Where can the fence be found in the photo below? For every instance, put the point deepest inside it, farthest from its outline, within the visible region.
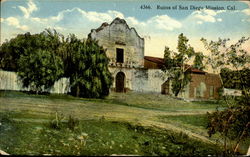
(9, 81)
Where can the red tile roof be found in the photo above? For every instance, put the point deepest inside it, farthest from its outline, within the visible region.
(155, 59)
(194, 70)
(160, 61)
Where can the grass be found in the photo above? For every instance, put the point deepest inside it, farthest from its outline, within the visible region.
(30, 115)
(194, 120)
(158, 101)
(133, 99)
(198, 124)
(96, 137)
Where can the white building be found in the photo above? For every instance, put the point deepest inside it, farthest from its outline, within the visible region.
(125, 49)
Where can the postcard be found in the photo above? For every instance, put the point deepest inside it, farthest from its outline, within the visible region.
(130, 78)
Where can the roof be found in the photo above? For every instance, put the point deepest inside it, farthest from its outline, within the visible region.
(194, 70)
(160, 62)
(155, 59)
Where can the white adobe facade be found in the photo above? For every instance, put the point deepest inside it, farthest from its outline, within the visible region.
(125, 49)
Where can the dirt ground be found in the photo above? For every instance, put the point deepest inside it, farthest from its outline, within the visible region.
(143, 109)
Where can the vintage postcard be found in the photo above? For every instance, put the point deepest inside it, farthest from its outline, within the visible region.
(125, 78)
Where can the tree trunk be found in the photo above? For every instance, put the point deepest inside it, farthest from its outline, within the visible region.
(77, 90)
(241, 137)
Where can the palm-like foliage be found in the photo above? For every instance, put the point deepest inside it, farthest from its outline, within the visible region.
(90, 76)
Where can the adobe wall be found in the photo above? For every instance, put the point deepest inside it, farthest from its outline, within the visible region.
(9, 81)
(140, 80)
(119, 35)
(207, 84)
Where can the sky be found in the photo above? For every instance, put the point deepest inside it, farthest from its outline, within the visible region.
(159, 27)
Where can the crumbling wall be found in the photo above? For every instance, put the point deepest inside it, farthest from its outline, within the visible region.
(140, 80)
(9, 81)
(128, 76)
(149, 80)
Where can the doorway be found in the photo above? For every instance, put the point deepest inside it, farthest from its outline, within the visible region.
(165, 88)
(120, 82)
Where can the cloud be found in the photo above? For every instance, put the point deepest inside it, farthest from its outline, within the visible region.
(28, 11)
(82, 17)
(205, 18)
(246, 11)
(164, 22)
(247, 2)
(1, 19)
(199, 22)
(91, 16)
(206, 15)
(59, 28)
(219, 19)
(12, 21)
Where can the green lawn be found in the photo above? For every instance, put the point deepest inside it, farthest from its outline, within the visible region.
(194, 120)
(131, 123)
(95, 137)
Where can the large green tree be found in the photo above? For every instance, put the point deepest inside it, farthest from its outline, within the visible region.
(22, 44)
(233, 123)
(84, 62)
(39, 69)
(87, 67)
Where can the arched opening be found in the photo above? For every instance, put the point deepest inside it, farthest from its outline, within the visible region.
(120, 82)
(165, 88)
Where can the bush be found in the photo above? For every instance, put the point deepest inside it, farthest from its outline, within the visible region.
(72, 123)
(57, 122)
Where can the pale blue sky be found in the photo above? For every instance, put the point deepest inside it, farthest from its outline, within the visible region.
(158, 27)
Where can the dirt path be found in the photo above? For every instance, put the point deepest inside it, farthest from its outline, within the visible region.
(95, 110)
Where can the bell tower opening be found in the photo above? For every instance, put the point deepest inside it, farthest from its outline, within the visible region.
(119, 55)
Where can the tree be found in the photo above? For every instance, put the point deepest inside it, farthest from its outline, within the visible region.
(89, 76)
(198, 61)
(11, 51)
(83, 61)
(177, 64)
(231, 78)
(168, 61)
(39, 69)
(234, 121)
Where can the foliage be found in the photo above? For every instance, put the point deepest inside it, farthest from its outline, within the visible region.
(59, 122)
(179, 80)
(234, 121)
(90, 75)
(98, 138)
(39, 60)
(39, 69)
(34, 58)
(168, 61)
(198, 61)
(222, 56)
(56, 123)
(72, 122)
(12, 50)
(176, 64)
(235, 79)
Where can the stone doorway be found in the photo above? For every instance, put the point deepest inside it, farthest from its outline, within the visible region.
(120, 82)
(165, 88)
